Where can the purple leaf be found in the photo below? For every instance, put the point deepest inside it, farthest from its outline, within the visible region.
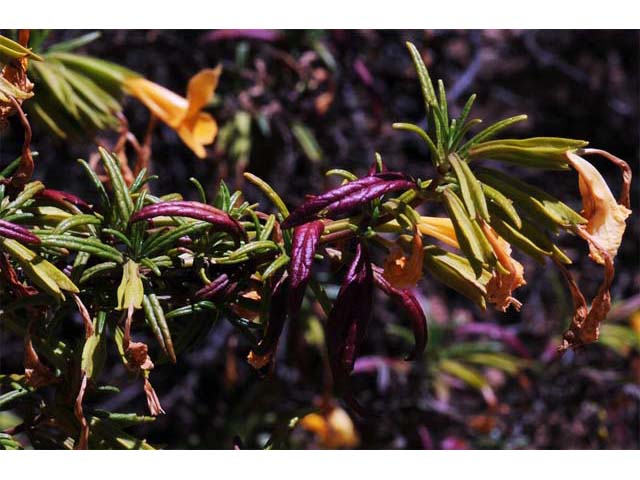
(363, 72)
(277, 317)
(406, 300)
(348, 197)
(17, 232)
(348, 320)
(496, 332)
(60, 197)
(306, 239)
(218, 289)
(238, 34)
(196, 210)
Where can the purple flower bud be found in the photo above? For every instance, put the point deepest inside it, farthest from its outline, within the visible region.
(17, 232)
(306, 239)
(196, 210)
(406, 300)
(348, 197)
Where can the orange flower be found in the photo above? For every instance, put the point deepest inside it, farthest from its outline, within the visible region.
(502, 284)
(334, 429)
(402, 271)
(184, 115)
(606, 218)
(440, 228)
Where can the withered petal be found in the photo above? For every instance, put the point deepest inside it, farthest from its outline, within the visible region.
(606, 218)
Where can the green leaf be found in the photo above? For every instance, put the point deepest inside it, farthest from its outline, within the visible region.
(426, 85)
(492, 131)
(124, 203)
(537, 203)
(13, 49)
(457, 273)
(94, 352)
(539, 152)
(307, 141)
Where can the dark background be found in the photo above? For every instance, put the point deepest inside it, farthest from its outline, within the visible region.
(579, 84)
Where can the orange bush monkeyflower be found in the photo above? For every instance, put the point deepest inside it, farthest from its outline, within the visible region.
(333, 429)
(502, 284)
(606, 217)
(440, 228)
(402, 271)
(184, 115)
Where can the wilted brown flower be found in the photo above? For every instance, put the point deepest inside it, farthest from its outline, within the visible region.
(502, 284)
(606, 217)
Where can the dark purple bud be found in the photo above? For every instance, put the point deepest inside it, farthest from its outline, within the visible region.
(218, 289)
(196, 210)
(306, 239)
(57, 196)
(348, 197)
(17, 232)
(275, 323)
(403, 298)
(348, 320)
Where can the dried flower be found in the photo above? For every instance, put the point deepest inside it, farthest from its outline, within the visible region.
(606, 218)
(502, 284)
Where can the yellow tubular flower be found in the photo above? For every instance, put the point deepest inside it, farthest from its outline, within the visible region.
(502, 284)
(184, 115)
(606, 218)
(440, 228)
(402, 271)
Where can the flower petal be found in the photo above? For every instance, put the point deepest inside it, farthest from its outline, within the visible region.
(402, 271)
(198, 131)
(169, 107)
(200, 90)
(502, 285)
(606, 218)
(440, 228)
